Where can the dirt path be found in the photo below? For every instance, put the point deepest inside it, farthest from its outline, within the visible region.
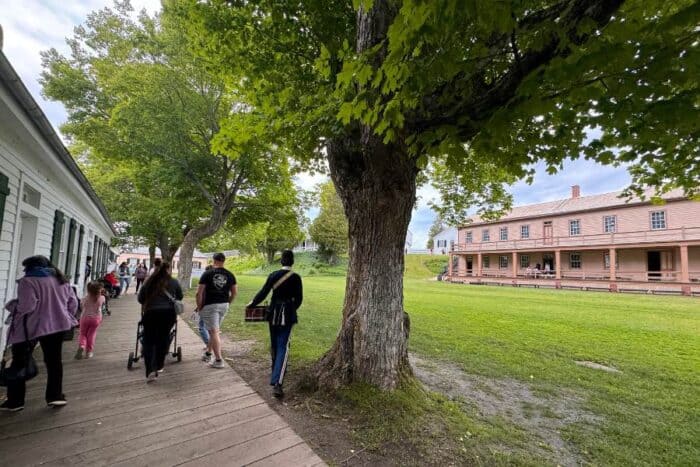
(330, 434)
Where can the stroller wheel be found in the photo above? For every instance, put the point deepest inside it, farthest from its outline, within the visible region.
(178, 354)
(131, 360)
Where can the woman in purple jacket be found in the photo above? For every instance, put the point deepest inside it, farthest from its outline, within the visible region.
(47, 304)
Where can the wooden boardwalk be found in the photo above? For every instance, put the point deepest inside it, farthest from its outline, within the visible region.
(192, 415)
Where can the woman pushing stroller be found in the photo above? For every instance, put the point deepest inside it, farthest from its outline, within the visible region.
(157, 296)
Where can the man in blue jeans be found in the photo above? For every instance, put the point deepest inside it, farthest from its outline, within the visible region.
(287, 296)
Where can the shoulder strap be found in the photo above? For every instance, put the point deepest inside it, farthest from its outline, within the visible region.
(170, 297)
(282, 279)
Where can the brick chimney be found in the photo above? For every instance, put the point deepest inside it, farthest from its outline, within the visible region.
(575, 191)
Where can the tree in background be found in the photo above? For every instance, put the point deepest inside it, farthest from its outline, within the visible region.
(330, 228)
(267, 224)
(137, 96)
(437, 227)
(382, 89)
(140, 200)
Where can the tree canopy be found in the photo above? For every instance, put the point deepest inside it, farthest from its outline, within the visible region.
(138, 97)
(478, 90)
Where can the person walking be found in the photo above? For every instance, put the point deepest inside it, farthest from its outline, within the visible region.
(90, 319)
(216, 290)
(124, 277)
(287, 295)
(157, 297)
(44, 309)
(140, 274)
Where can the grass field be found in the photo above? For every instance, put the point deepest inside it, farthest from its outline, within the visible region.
(649, 413)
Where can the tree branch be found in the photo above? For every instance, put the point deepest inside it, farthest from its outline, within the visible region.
(486, 98)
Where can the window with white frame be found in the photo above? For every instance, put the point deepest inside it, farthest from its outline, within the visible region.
(575, 227)
(609, 224)
(658, 220)
(504, 233)
(575, 260)
(524, 261)
(524, 231)
(485, 235)
(469, 237)
(503, 262)
(486, 262)
(606, 260)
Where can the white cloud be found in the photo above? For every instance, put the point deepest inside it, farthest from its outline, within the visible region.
(32, 26)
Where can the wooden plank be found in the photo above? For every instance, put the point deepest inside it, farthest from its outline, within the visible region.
(299, 455)
(83, 438)
(169, 447)
(251, 450)
(191, 413)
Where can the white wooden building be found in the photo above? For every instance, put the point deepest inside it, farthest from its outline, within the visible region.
(47, 206)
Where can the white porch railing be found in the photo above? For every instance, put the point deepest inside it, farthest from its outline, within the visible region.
(580, 241)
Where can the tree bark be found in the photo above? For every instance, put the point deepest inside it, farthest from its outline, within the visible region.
(167, 249)
(196, 235)
(151, 254)
(270, 255)
(377, 184)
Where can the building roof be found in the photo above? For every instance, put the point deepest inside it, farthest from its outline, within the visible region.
(578, 204)
(11, 80)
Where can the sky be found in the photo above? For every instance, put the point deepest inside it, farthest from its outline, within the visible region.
(31, 26)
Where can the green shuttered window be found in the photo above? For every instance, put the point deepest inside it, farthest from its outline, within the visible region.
(59, 220)
(4, 191)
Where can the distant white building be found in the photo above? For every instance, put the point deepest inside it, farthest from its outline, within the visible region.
(445, 241)
(47, 206)
(306, 245)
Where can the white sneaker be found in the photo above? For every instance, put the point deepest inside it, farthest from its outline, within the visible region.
(217, 364)
(207, 357)
(151, 377)
(89, 355)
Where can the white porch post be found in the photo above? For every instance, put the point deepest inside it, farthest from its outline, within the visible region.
(557, 264)
(478, 265)
(449, 265)
(515, 265)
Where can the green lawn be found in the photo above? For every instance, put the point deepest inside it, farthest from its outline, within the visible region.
(650, 413)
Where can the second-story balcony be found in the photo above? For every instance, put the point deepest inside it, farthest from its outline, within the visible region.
(650, 237)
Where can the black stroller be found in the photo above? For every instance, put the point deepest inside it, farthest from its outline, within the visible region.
(136, 355)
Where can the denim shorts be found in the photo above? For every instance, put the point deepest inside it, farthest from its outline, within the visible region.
(213, 314)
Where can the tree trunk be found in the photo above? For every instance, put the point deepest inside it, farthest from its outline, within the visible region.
(151, 254)
(167, 249)
(196, 235)
(270, 255)
(377, 184)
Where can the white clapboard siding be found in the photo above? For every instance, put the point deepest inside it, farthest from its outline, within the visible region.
(27, 158)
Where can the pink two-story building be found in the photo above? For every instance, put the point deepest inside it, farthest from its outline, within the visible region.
(588, 242)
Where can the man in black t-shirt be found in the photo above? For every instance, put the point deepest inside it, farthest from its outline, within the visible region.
(217, 289)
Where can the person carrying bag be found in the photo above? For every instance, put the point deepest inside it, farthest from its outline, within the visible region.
(286, 299)
(46, 306)
(22, 367)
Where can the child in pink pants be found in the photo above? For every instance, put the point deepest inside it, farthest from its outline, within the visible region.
(90, 319)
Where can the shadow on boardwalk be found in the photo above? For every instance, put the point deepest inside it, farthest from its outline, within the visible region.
(191, 415)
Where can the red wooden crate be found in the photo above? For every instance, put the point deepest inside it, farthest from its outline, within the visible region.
(256, 314)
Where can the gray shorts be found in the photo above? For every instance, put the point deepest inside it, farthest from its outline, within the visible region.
(213, 314)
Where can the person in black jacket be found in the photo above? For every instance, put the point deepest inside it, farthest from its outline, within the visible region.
(158, 317)
(281, 315)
